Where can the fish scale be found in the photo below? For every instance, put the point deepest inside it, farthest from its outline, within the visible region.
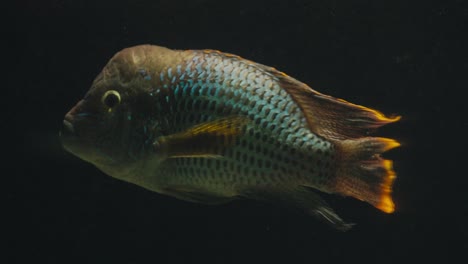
(239, 96)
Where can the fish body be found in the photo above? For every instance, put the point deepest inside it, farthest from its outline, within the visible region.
(211, 127)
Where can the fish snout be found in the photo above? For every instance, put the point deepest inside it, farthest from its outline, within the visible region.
(74, 111)
(68, 129)
(67, 124)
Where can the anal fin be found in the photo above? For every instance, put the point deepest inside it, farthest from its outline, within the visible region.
(301, 198)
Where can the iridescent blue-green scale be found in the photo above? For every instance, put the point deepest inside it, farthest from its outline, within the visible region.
(277, 147)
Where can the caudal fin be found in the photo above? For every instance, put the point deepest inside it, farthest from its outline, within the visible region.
(364, 174)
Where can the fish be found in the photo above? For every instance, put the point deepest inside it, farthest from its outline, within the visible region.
(211, 127)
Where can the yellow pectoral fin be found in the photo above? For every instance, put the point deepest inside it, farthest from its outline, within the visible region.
(231, 125)
(208, 139)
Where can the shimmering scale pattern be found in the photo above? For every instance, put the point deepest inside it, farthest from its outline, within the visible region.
(277, 147)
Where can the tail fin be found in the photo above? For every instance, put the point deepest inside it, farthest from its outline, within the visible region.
(363, 174)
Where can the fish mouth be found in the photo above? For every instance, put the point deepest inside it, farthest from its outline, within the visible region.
(67, 134)
(67, 128)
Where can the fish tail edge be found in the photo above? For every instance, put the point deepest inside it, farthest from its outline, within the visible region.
(364, 174)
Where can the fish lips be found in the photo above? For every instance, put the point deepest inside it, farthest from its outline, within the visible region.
(68, 129)
(73, 142)
(68, 135)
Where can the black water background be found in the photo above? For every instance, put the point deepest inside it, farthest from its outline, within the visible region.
(402, 57)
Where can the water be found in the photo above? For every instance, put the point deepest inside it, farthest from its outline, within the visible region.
(398, 57)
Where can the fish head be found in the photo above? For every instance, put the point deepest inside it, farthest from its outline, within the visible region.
(113, 126)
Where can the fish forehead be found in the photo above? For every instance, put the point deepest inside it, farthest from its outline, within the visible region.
(131, 61)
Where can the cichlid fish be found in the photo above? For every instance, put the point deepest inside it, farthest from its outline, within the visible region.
(210, 127)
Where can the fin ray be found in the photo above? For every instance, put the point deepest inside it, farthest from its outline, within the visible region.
(363, 174)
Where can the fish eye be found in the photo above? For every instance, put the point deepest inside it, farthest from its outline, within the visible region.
(111, 98)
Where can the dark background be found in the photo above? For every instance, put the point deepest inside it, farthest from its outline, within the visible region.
(401, 57)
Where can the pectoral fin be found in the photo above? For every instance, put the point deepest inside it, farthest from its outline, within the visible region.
(204, 140)
(304, 199)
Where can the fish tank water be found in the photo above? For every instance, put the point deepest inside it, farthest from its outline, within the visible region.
(402, 58)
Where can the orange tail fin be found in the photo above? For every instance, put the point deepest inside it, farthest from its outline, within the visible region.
(363, 174)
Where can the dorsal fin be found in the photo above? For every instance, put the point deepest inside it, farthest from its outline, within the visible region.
(332, 118)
